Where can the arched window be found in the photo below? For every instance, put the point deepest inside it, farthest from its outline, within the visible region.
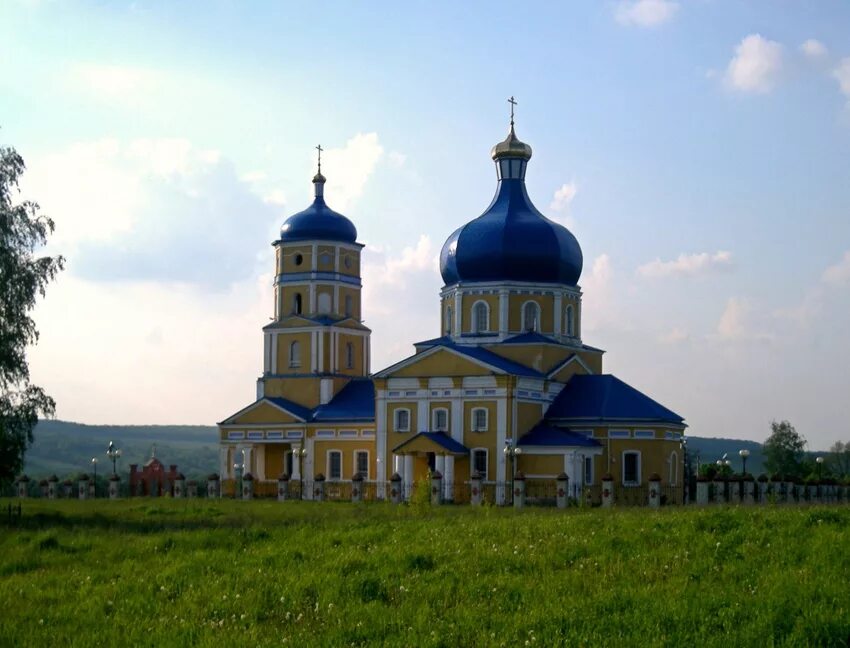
(480, 317)
(349, 305)
(402, 420)
(295, 354)
(324, 303)
(569, 324)
(448, 320)
(440, 420)
(296, 304)
(531, 316)
(349, 355)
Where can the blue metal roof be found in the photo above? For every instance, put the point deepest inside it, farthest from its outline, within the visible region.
(546, 435)
(299, 410)
(483, 355)
(511, 240)
(606, 397)
(355, 401)
(530, 338)
(318, 221)
(441, 439)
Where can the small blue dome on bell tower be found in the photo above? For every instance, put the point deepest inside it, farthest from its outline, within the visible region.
(511, 240)
(318, 221)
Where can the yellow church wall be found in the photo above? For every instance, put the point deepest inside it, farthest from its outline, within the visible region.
(485, 439)
(289, 253)
(568, 371)
(357, 344)
(402, 436)
(541, 464)
(264, 413)
(653, 458)
(442, 363)
(355, 301)
(304, 391)
(347, 448)
(541, 357)
(274, 456)
(515, 304)
(353, 269)
(284, 340)
(288, 302)
(468, 301)
(592, 359)
(528, 415)
(328, 251)
(328, 291)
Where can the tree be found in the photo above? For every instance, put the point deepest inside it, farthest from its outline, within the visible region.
(23, 277)
(839, 459)
(783, 450)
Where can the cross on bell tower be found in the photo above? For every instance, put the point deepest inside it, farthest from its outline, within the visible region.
(513, 103)
(320, 149)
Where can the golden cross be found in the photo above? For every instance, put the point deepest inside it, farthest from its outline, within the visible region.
(513, 103)
(320, 149)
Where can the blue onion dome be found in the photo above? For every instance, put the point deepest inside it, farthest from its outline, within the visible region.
(318, 221)
(511, 240)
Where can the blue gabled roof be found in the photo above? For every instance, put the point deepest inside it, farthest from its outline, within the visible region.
(354, 402)
(299, 410)
(434, 341)
(483, 355)
(441, 439)
(546, 435)
(530, 337)
(607, 397)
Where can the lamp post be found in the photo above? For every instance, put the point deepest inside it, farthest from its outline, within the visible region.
(744, 454)
(511, 453)
(113, 453)
(819, 462)
(301, 452)
(94, 467)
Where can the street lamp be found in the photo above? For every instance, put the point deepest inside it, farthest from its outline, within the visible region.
(113, 453)
(819, 462)
(512, 452)
(744, 454)
(94, 467)
(301, 453)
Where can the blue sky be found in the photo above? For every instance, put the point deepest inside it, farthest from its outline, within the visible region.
(698, 150)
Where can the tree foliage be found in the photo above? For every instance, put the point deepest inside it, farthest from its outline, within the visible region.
(838, 460)
(783, 450)
(23, 277)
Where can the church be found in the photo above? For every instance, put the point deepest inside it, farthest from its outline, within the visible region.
(507, 385)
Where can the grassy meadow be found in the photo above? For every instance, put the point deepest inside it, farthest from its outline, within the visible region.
(263, 573)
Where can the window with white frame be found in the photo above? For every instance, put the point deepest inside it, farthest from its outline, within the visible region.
(295, 354)
(569, 322)
(402, 420)
(479, 462)
(479, 419)
(674, 468)
(349, 355)
(631, 468)
(448, 320)
(324, 303)
(440, 420)
(531, 316)
(334, 465)
(361, 463)
(349, 306)
(588, 470)
(480, 317)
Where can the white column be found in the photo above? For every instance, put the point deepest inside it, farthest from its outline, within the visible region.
(296, 468)
(458, 320)
(503, 312)
(336, 307)
(333, 350)
(398, 464)
(278, 313)
(223, 467)
(267, 353)
(440, 464)
(312, 298)
(449, 477)
(408, 474)
(501, 429)
(336, 258)
(274, 352)
(248, 459)
(457, 420)
(381, 443)
(314, 351)
(422, 416)
(321, 352)
(559, 311)
(314, 265)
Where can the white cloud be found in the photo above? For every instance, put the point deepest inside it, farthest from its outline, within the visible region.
(838, 273)
(645, 13)
(813, 49)
(756, 65)
(675, 335)
(564, 196)
(275, 197)
(732, 322)
(115, 82)
(842, 74)
(686, 265)
(598, 307)
(348, 169)
(397, 159)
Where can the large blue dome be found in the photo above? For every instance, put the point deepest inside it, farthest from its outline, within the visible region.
(318, 221)
(511, 240)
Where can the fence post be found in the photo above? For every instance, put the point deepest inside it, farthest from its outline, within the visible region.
(719, 490)
(436, 488)
(562, 484)
(52, 487)
(319, 488)
(475, 489)
(654, 490)
(83, 487)
(213, 486)
(282, 487)
(247, 486)
(357, 488)
(67, 488)
(702, 490)
(519, 490)
(191, 489)
(607, 490)
(114, 484)
(395, 488)
(23, 484)
(42, 488)
(761, 493)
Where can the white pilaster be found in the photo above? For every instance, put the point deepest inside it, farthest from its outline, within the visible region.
(559, 311)
(457, 420)
(422, 416)
(312, 298)
(223, 464)
(336, 306)
(314, 351)
(501, 430)
(267, 352)
(440, 464)
(503, 312)
(249, 457)
(458, 319)
(296, 468)
(274, 339)
(321, 352)
(336, 259)
(408, 475)
(278, 311)
(449, 477)
(314, 266)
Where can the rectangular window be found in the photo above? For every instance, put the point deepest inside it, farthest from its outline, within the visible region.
(631, 469)
(479, 420)
(588, 470)
(479, 462)
(334, 465)
(402, 420)
(361, 462)
(441, 420)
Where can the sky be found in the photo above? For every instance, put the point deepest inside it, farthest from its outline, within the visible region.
(698, 150)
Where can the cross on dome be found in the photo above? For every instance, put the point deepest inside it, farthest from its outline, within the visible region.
(513, 103)
(320, 149)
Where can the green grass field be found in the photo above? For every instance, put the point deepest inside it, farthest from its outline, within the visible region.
(264, 573)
